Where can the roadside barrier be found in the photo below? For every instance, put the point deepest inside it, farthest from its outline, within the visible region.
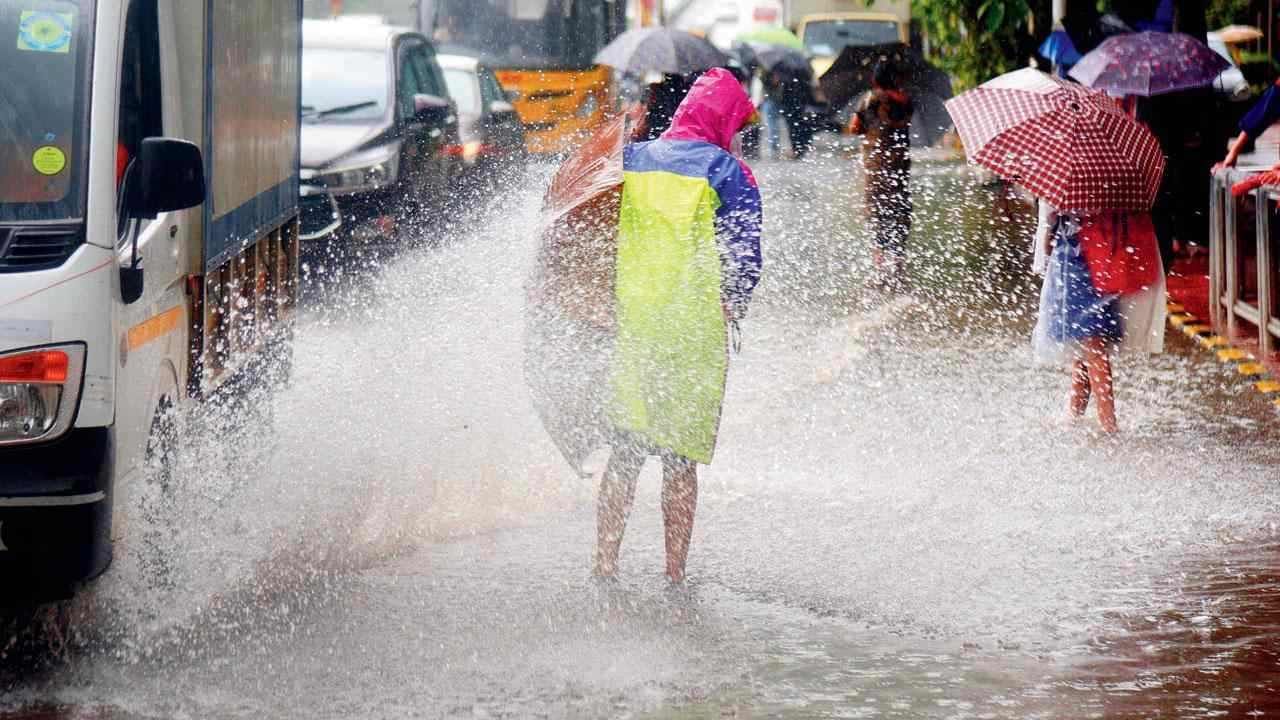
(1243, 266)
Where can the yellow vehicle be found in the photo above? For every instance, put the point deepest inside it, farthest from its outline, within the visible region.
(825, 35)
(542, 52)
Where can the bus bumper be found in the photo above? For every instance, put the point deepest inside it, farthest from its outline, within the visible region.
(55, 515)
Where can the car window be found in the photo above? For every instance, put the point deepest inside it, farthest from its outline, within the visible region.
(408, 80)
(429, 74)
(464, 89)
(339, 79)
(490, 90)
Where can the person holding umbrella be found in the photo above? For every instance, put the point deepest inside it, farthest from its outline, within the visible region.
(788, 87)
(1169, 76)
(1098, 171)
(884, 117)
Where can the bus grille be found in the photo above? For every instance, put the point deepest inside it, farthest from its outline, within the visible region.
(37, 248)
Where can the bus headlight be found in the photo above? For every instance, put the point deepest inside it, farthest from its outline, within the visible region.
(39, 389)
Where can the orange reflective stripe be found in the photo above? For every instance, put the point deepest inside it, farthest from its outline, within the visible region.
(155, 327)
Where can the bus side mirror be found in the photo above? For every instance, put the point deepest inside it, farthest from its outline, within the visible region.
(170, 177)
(132, 283)
(167, 175)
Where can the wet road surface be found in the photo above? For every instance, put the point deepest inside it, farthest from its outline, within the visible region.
(899, 522)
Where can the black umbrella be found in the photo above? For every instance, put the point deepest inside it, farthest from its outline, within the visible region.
(929, 87)
(1087, 28)
(744, 54)
(786, 60)
(660, 50)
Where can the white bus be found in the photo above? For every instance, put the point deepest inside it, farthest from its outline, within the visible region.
(148, 238)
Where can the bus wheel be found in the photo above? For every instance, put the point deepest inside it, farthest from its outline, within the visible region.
(158, 495)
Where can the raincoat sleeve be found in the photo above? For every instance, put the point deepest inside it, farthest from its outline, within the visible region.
(738, 223)
(1263, 114)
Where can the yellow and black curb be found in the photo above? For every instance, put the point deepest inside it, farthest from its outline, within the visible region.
(1244, 362)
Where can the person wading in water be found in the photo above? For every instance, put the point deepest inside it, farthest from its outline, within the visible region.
(688, 260)
(884, 117)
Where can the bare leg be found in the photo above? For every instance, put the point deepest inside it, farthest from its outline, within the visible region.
(617, 492)
(1080, 389)
(1099, 365)
(679, 502)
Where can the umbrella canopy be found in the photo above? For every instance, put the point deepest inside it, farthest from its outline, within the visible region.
(1149, 63)
(775, 36)
(1233, 34)
(929, 87)
(785, 60)
(1072, 146)
(660, 50)
(1059, 49)
(569, 326)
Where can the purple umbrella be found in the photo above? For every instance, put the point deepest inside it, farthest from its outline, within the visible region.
(1149, 63)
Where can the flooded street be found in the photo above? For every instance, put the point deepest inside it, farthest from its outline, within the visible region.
(900, 521)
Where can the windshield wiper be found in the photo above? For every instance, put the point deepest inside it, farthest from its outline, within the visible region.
(309, 111)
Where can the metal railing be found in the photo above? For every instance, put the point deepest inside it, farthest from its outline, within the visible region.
(1235, 293)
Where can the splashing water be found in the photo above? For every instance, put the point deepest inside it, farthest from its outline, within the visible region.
(897, 523)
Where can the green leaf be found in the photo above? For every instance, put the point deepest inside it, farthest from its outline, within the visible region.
(995, 16)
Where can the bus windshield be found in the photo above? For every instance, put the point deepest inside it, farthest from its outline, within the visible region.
(44, 50)
(537, 34)
(828, 37)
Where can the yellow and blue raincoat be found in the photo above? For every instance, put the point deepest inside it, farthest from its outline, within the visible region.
(688, 260)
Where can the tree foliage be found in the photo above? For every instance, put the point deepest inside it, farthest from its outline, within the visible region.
(1221, 13)
(976, 40)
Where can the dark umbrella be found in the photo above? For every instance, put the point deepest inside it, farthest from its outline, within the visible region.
(660, 50)
(929, 87)
(1087, 29)
(786, 60)
(1149, 63)
(744, 55)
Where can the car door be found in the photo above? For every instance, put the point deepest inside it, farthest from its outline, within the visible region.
(414, 157)
(426, 141)
(432, 77)
(502, 124)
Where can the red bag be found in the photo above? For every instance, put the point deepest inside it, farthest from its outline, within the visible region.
(1121, 251)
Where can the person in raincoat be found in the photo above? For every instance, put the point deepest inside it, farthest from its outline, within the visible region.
(688, 259)
(884, 116)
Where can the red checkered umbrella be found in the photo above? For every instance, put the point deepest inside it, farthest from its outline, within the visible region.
(1072, 146)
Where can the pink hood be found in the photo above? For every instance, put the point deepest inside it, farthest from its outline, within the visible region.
(715, 109)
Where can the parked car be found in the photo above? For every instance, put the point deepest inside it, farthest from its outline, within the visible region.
(378, 126)
(492, 136)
